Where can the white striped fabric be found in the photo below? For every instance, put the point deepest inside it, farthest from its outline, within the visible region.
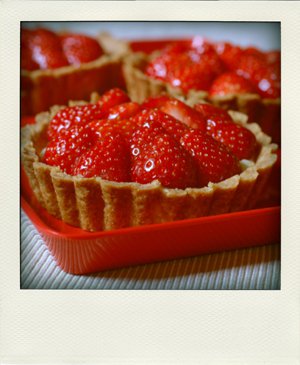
(253, 268)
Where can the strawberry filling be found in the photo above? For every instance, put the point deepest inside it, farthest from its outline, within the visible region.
(219, 68)
(162, 139)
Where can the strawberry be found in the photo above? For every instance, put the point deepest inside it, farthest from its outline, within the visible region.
(215, 162)
(162, 158)
(221, 127)
(80, 49)
(108, 158)
(172, 126)
(46, 50)
(185, 114)
(212, 112)
(112, 98)
(65, 147)
(266, 78)
(228, 54)
(156, 102)
(125, 127)
(186, 65)
(123, 111)
(27, 62)
(238, 139)
(230, 83)
(68, 117)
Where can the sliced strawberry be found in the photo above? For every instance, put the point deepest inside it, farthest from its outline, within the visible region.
(123, 111)
(125, 127)
(68, 117)
(221, 127)
(66, 147)
(266, 78)
(46, 50)
(163, 159)
(112, 98)
(171, 125)
(229, 54)
(215, 162)
(185, 114)
(155, 102)
(238, 139)
(230, 83)
(108, 158)
(212, 112)
(80, 49)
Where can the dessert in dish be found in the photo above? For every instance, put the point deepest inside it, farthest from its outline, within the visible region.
(114, 163)
(56, 68)
(226, 75)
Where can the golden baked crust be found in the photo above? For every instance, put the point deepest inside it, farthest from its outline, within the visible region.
(265, 112)
(40, 89)
(95, 204)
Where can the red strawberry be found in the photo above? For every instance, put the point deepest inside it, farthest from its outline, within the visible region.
(238, 139)
(65, 147)
(68, 117)
(185, 114)
(27, 62)
(80, 49)
(112, 98)
(211, 112)
(108, 158)
(155, 102)
(222, 128)
(228, 54)
(163, 159)
(123, 111)
(230, 83)
(266, 78)
(125, 127)
(46, 50)
(171, 125)
(215, 162)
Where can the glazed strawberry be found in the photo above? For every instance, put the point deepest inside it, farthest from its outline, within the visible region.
(237, 138)
(155, 102)
(65, 147)
(212, 112)
(188, 66)
(80, 49)
(123, 111)
(27, 62)
(46, 50)
(112, 98)
(108, 158)
(185, 114)
(266, 78)
(230, 83)
(125, 127)
(221, 127)
(215, 162)
(172, 126)
(229, 54)
(68, 117)
(163, 159)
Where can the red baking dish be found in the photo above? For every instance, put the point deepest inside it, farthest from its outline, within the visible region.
(80, 252)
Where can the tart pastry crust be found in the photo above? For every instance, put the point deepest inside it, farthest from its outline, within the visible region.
(95, 204)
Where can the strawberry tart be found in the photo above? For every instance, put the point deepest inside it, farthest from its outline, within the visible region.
(226, 75)
(114, 163)
(56, 68)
